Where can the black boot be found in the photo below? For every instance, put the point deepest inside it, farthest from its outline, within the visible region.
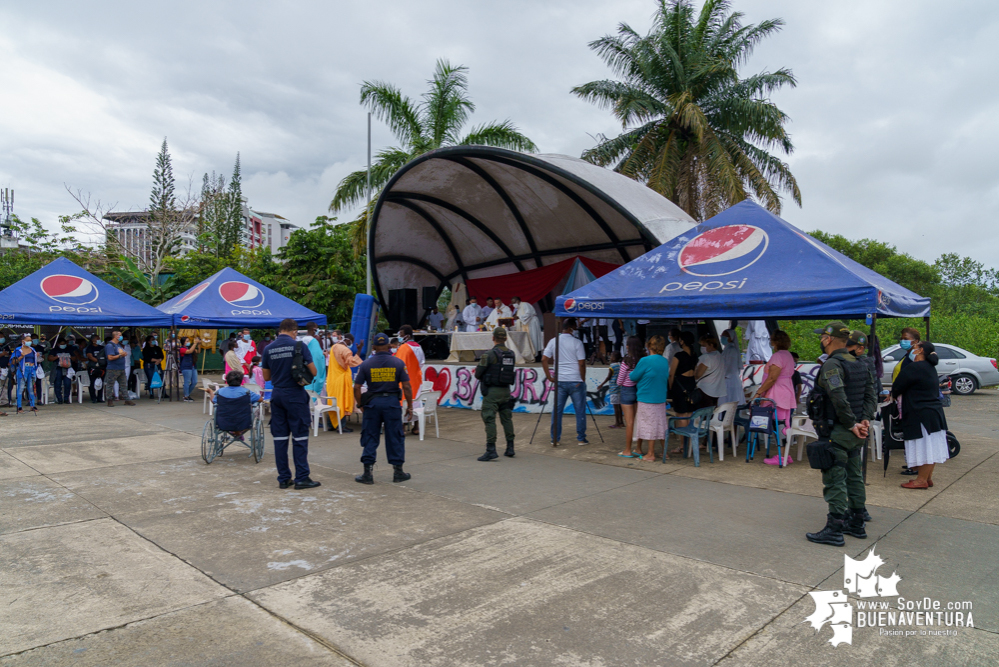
(400, 475)
(490, 453)
(365, 477)
(855, 524)
(867, 516)
(509, 450)
(832, 533)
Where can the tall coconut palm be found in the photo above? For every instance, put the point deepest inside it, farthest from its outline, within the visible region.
(694, 131)
(433, 122)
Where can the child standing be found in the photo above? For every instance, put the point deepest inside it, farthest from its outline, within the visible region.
(614, 392)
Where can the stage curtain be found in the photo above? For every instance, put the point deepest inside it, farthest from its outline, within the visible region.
(534, 284)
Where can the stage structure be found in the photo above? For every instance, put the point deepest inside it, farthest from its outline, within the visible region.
(467, 212)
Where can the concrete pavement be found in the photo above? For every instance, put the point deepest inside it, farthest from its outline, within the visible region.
(119, 545)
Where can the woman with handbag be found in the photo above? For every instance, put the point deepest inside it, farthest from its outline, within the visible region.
(682, 385)
(924, 426)
(24, 362)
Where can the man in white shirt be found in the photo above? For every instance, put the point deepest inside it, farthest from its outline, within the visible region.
(571, 366)
(673, 347)
(472, 315)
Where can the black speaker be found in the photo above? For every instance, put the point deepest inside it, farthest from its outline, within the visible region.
(402, 308)
(429, 297)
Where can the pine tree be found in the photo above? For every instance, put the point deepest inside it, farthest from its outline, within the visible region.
(162, 200)
(163, 235)
(234, 227)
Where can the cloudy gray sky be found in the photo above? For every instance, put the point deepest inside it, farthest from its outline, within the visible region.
(894, 118)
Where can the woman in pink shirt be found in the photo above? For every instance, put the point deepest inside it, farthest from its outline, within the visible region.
(778, 385)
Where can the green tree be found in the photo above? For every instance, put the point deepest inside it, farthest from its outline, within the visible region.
(230, 234)
(433, 122)
(138, 284)
(213, 215)
(694, 131)
(319, 269)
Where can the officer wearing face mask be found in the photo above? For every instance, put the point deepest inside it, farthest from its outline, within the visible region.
(848, 386)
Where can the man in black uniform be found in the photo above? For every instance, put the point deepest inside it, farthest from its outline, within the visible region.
(381, 404)
(848, 387)
(290, 414)
(495, 372)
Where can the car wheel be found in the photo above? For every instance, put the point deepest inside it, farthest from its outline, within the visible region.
(964, 385)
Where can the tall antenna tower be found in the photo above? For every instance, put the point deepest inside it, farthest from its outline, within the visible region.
(7, 237)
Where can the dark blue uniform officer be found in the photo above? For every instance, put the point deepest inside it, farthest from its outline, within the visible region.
(387, 382)
(290, 414)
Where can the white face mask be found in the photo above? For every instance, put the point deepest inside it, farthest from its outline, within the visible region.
(704, 350)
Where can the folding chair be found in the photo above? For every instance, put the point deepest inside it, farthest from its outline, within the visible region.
(763, 421)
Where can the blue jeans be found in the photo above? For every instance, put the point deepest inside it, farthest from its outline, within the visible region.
(576, 390)
(190, 380)
(63, 385)
(21, 382)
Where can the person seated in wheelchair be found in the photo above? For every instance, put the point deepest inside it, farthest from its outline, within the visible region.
(234, 405)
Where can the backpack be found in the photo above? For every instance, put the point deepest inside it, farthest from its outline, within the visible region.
(299, 371)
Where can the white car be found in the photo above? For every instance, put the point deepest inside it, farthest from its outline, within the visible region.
(968, 371)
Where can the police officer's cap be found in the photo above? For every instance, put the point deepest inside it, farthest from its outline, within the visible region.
(858, 338)
(499, 333)
(380, 339)
(835, 329)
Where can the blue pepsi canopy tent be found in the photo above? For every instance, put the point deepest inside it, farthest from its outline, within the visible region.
(744, 263)
(61, 293)
(230, 299)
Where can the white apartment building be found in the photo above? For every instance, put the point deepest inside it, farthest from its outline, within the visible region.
(259, 229)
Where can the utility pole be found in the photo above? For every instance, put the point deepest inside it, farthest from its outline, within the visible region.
(367, 212)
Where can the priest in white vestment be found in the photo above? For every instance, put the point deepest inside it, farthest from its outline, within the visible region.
(472, 315)
(500, 312)
(528, 317)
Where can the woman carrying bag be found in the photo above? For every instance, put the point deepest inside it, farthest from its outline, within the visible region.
(924, 426)
(24, 362)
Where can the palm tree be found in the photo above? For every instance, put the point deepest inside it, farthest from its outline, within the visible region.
(694, 131)
(435, 121)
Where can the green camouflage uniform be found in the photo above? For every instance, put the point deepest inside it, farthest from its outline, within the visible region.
(495, 399)
(844, 487)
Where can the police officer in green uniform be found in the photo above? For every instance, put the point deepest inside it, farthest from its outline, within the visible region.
(849, 386)
(495, 372)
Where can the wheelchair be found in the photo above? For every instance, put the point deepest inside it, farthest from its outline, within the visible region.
(233, 415)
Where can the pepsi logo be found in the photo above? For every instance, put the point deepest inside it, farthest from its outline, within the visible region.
(241, 295)
(185, 318)
(190, 296)
(70, 290)
(570, 305)
(723, 250)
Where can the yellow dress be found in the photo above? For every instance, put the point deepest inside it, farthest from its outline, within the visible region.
(340, 381)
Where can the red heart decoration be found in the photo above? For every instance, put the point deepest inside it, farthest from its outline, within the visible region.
(440, 379)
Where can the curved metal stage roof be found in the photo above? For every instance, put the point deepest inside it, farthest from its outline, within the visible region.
(476, 211)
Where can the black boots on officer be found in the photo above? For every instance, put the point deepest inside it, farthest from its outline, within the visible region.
(837, 525)
(491, 452)
(366, 477)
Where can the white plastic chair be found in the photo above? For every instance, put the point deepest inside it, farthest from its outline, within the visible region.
(43, 395)
(800, 426)
(723, 420)
(320, 407)
(82, 382)
(877, 433)
(206, 404)
(428, 409)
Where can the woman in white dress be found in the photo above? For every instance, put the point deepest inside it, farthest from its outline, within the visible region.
(924, 426)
